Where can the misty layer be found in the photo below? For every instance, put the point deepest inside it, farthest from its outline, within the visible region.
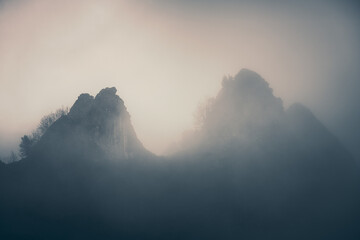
(252, 170)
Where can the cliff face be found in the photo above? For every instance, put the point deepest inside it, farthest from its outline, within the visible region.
(99, 125)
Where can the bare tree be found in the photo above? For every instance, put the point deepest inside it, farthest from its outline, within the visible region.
(26, 145)
(29, 141)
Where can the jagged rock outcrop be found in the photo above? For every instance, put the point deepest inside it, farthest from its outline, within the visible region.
(94, 126)
(244, 105)
(245, 116)
(81, 107)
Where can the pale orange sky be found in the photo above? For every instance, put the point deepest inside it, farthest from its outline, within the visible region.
(162, 60)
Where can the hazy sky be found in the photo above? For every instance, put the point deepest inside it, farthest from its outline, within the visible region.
(165, 57)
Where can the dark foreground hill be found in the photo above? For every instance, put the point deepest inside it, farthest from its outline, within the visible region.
(251, 171)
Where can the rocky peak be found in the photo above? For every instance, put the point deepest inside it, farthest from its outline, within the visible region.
(107, 101)
(81, 107)
(103, 122)
(249, 89)
(245, 102)
(246, 78)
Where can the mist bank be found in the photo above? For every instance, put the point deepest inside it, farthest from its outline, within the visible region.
(252, 169)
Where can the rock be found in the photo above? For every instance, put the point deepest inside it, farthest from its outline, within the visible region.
(95, 124)
(245, 104)
(81, 107)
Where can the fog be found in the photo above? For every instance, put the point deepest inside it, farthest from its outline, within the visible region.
(158, 119)
(165, 57)
(252, 169)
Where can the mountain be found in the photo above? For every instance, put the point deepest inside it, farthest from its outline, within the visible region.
(245, 113)
(97, 126)
(245, 119)
(252, 170)
(292, 170)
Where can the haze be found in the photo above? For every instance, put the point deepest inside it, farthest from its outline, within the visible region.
(165, 57)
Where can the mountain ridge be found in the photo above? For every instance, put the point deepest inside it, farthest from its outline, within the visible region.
(252, 171)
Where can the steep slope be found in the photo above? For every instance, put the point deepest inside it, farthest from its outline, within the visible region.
(94, 127)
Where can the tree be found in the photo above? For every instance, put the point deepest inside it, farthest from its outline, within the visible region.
(29, 141)
(49, 119)
(13, 157)
(26, 146)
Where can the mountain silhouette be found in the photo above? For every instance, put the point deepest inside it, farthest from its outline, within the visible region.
(246, 113)
(94, 127)
(252, 170)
